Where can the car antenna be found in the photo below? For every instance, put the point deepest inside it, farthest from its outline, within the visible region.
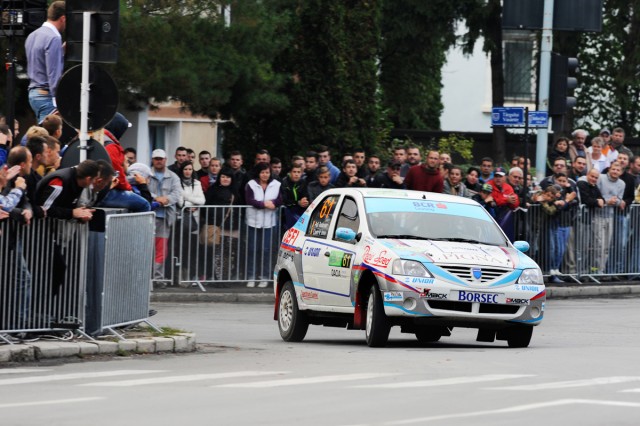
(424, 197)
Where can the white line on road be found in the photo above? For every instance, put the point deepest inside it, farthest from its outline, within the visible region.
(187, 378)
(74, 376)
(50, 402)
(306, 380)
(444, 382)
(571, 383)
(516, 409)
(23, 370)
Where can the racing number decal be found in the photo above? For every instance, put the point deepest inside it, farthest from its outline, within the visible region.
(340, 259)
(327, 207)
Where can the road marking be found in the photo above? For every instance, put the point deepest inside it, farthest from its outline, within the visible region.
(445, 382)
(571, 383)
(23, 370)
(189, 378)
(50, 402)
(306, 380)
(74, 376)
(516, 409)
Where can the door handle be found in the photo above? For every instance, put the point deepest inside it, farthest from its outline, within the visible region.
(327, 254)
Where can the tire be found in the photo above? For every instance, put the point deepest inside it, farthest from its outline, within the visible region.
(520, 337)
(377, 327)
(292, 322)
(427, 335)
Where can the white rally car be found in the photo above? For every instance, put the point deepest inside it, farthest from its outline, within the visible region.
(374, 258)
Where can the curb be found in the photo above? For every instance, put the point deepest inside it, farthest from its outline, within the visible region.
(576, 292)
(50, 349)
(212, 297)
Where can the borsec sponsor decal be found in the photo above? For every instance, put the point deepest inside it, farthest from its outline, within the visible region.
(517, 301)
(393, 296)
(467, 296)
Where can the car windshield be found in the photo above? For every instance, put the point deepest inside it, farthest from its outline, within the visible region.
(429, 220)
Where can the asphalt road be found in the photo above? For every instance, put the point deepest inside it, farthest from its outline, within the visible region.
(581, 368)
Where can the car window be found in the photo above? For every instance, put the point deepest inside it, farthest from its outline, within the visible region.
(348, 216)
(321, 217)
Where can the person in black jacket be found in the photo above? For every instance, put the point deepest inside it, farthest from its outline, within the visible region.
(391, 178)
(294, 196)
(226, 217)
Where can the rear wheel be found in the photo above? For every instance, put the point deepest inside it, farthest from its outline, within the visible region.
(520, 337)
(377, 327)
(292, 322)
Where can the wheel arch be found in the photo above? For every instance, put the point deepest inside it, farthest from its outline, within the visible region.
(283, 277)
(367, 281)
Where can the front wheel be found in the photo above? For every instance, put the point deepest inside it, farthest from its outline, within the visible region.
(377, 327)
(519, 337)
(292, 322)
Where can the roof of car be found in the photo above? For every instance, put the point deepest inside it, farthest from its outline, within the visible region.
(401, 193)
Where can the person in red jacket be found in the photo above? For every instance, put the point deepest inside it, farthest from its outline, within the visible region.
(426, 176)
(506, 201)
(121, 195)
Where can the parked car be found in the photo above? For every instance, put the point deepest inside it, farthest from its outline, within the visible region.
(375, 258)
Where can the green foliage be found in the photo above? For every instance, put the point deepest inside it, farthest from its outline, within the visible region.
(456, 144)
(415, 37)
(609, 88)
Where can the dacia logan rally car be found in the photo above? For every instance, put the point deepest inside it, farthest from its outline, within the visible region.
(376, 258)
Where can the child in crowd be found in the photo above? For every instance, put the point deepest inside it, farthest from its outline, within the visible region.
(294, 197)
(323, 183)
(484, 198)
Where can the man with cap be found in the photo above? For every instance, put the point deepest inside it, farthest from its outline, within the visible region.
(390, 178)
(165, 189)
(484, 198)
(122, 194)
(506, 201)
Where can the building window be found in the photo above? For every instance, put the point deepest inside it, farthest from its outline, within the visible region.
(157, 136)
(519, 69)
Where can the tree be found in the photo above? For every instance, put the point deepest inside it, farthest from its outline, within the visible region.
(415, 37)
(332, 64)
(484, 19)
(609, 87)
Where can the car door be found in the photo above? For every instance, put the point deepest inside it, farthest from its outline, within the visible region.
(339, 256)
(314, 262)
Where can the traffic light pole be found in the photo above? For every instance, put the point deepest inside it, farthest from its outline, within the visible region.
(84, 85)
(543, 86)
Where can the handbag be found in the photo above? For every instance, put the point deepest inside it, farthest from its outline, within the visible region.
(212, 234)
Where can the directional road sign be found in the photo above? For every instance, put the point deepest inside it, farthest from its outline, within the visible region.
(507, 116)
(538, 119)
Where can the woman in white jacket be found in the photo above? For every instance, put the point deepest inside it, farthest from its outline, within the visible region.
(192, 197)
(263, 195)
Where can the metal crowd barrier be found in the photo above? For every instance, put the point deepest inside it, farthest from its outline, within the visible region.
(596, 243)
(43, 276)
(126, 283)
(240, 255)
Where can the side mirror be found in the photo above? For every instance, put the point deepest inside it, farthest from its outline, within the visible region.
(523, 246)
(346, 234)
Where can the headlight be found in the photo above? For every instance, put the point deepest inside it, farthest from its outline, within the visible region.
(531, 276)
(410, 268)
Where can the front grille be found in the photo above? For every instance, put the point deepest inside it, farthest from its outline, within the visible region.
(450, 306)
(464, 273)
(486, 308)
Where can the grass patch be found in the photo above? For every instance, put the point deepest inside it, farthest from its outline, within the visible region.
(166, 332)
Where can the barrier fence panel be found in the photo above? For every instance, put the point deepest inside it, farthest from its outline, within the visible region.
(128, 265)
(43, 278)
(216, 245)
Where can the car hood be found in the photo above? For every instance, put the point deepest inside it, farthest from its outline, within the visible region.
(455, 253)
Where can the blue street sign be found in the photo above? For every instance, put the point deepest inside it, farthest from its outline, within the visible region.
(507, 116)
(539, 119)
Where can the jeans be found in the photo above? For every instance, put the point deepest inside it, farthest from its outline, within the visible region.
(260, 245)
(42, 105)
(125, 199)
(618, 249)
(558, 238)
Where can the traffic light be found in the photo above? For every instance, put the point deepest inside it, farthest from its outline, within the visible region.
(562, 83)
(20, 18)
